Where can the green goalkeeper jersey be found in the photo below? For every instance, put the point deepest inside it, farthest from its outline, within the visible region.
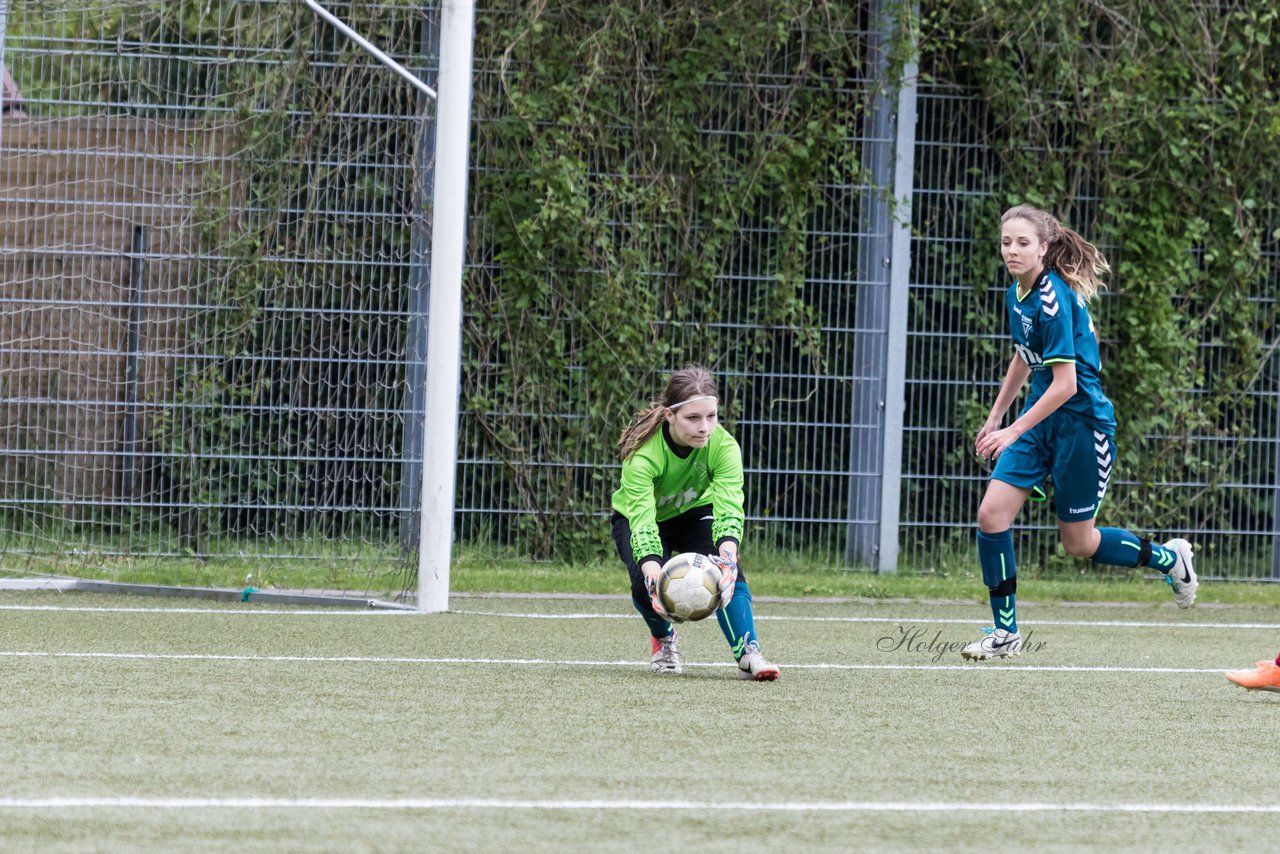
(658, 484)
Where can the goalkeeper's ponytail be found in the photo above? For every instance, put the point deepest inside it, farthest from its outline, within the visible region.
(688, 382)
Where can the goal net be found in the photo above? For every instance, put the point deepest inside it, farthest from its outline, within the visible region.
(215, 230)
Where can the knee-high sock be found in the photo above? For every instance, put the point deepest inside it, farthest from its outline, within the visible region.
(658, 627)
(736, 620)
(1119, 547)
(999, 573)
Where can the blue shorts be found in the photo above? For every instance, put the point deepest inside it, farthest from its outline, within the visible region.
(1077, 457)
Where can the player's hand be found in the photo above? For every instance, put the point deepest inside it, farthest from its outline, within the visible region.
(991, 445)
(653, 572)
(990, 426)
(728, 577)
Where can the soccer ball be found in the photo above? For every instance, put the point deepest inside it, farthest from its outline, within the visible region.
(689, 587)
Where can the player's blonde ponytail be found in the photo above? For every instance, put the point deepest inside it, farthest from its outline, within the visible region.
(686, 383)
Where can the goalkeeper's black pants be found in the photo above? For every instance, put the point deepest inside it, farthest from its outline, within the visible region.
(688, 532)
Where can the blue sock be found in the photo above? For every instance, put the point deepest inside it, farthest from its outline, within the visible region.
(1004, 611)
(1161, 558)
(658, 627)
(1117, 548)
(999, 573)
(736, 621)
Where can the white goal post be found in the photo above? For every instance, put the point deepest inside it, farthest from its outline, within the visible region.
(448, 250)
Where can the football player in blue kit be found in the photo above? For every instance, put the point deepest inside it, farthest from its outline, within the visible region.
(1065, 430)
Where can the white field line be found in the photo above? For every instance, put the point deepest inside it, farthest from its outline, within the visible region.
(550, 662)
(328, 612)
(971, 621)
(568, 805)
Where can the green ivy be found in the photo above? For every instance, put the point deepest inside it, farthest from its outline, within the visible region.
(627, 156)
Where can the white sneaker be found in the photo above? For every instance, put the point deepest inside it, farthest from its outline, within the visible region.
(1182, 578)
(666, 655)
(997, 643)
(753, 666)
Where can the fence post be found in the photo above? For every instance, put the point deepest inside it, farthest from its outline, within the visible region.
(899, 297)
(4, 29)
(883, 270)
(133, 351)
(1275, 511)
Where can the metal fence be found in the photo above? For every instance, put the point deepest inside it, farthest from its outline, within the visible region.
(957, 342)
(213, 264)
(212, 224)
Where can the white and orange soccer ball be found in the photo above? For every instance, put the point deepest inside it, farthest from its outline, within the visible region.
(689, 587)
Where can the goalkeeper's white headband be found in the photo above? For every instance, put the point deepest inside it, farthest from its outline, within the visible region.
(692, 400)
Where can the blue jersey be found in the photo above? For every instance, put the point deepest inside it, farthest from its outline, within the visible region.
(1050, 324)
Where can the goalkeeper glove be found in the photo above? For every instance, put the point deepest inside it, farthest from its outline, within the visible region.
(728, 578)
(655, 601)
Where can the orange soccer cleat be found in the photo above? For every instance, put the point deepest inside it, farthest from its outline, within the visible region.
(1264, 677)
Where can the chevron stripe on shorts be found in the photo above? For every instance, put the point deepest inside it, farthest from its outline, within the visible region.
(1102, 447)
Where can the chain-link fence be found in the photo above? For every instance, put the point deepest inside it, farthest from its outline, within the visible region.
(214, 256)
(211, 219)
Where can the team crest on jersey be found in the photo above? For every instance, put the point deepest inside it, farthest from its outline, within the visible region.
(1026, 325)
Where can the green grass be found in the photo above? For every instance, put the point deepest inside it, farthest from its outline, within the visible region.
(476, 572)
(291, 704)
(386, 572)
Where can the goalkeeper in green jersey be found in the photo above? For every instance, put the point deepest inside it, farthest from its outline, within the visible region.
(681, 491)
